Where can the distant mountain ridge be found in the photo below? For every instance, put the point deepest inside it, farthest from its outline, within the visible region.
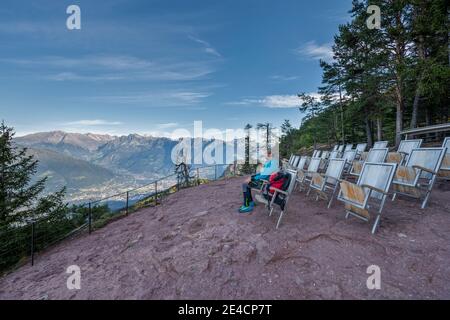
(65, 171)
(76, 145)
(90, 160)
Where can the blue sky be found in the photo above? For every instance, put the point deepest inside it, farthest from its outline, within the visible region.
(149, 67)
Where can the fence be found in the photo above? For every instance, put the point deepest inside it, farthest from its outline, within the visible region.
(19, 244)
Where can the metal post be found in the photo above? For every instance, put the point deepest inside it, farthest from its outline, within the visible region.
(215, 172)
(32, 242)
(198, 177)
(128, 196)
(90, 218)
(156, 193)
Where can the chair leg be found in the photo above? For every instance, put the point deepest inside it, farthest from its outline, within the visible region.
(427, 196)
(375, 225)
(271, 211)
(394, 196)
(425, 201)
(332, 197)
(279, 219)
(347, 215)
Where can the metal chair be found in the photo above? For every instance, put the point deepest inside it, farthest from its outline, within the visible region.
(403, 151)
(348, 147)
(444, 172)
(321, 183)
(360, 148)
(369, 192)
(281, 195)
(374, 155)
(305, 176)
(349, 157)
(417, 177)
(380, 144)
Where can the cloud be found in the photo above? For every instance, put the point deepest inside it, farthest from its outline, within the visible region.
(93, 123)
(274, 101)
(284, 78)
(113, 68)
(207, 47)
(312, 50)
(174, 98)
(168, 125)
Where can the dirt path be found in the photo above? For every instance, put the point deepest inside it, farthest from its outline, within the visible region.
(196, 246)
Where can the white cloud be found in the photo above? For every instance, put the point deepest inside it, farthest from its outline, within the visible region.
(174, 98)
(312, 50)
(97, 122)
(207, 47)
(284, 78)
(113, 68)
(274, 101)
(168, 125)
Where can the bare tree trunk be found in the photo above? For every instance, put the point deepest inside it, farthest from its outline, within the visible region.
(421, 54)
(379, 129)
(368, 127)
(342, 114)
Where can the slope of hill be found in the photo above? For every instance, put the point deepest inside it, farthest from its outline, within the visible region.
(196, 246)
(63, 170)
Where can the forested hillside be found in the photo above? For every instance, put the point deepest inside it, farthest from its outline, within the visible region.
(380, 81)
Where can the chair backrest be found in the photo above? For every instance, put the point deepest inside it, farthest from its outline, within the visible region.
(446, 144)
(296, 161)
(378, 175)
(341, 148)
(325, 155)
(291, 159)
(446, 163)
(377, 155)
(314, 165)
(292, 181)
(429, 158)
(335, 155)
(302, 163)
(361, 147)
(316, 153)
(335, 169)
(348, 147)
(406, 146)
(336, 147)
(349, 156)
(380, 144)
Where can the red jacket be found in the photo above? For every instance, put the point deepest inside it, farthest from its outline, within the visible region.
(276, 181)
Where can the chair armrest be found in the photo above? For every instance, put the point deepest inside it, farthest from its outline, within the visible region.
(424, 169)
(373, 189)
(278, 191)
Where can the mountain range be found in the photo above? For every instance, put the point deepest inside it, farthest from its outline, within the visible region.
(81, 161)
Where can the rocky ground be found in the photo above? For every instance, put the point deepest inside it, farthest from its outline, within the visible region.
(196, 246)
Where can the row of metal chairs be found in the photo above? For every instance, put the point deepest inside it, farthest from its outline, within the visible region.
(410, 171)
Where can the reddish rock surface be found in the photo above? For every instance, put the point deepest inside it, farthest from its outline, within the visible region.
(196, 246)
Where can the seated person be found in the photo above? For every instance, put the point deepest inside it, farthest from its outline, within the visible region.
(270, 167)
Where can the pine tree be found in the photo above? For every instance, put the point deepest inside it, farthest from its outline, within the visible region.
(20, 198)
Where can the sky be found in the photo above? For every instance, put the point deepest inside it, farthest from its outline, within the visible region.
(151, 67)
